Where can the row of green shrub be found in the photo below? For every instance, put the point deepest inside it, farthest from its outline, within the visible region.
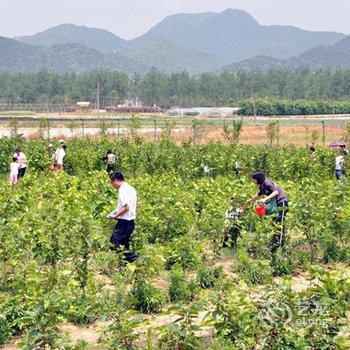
(270, 107)
(138, 157)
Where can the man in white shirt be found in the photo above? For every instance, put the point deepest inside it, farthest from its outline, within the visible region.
(59, 156)
(125, 214)
(22, 161)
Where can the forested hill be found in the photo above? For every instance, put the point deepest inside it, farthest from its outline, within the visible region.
(333, 57)
(17, 57)
(195, 43)
(234, 35)
(97, 39)
(321, 57)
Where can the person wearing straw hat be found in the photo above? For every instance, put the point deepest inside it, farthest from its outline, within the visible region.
(275, 198)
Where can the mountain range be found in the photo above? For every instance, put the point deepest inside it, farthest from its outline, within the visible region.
(196, 43)
(331, 57)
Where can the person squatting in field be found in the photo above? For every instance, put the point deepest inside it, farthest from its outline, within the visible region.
(233, 224)
(270, 191)
(14, 166)
(125, 214)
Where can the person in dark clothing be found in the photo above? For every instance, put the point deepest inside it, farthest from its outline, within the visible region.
(125, 214)
(269, 190)
(111, 159)
(312, 152)
(343, 150)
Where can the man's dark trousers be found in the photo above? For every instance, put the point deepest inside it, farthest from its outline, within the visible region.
(121, 237)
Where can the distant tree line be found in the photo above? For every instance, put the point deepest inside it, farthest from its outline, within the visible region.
(177, 89)
(271, 107)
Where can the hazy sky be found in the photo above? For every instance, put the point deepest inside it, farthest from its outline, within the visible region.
(130, 18)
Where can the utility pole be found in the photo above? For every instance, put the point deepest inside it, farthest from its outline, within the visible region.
(323, 132)
(254, 104)
(98, 95)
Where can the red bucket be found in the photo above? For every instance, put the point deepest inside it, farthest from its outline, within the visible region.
(260, 209)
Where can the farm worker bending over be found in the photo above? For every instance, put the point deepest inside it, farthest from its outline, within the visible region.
(14, 171)
(312, 152)
(59, 157)
(22, 161)
(111, 159)
(277, 200)
(343, 150)
(125, 214)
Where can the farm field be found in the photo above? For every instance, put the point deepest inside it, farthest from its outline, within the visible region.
(297, 130)
(62, 287)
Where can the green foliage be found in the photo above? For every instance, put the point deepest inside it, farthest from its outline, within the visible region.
(272, 131)
(181, 334)
(253, 271)
(182, 251)
(148, 299)
(122, 332)
(42, 319)
(293, 92)
(208, 276)
(56, 264)
(231, 135)
(141, 157)
(180, 290)
(235, 318)
(276, 107)
(282, 262)
(83, 310)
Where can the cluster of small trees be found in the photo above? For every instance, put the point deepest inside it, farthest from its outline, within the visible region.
(180, 89)
(272, 107)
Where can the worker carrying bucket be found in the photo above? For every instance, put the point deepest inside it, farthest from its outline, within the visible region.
(271, 200)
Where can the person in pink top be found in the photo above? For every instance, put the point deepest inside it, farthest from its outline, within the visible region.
(14, 166)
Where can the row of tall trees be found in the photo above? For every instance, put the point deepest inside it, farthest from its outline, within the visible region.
(180, 89)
